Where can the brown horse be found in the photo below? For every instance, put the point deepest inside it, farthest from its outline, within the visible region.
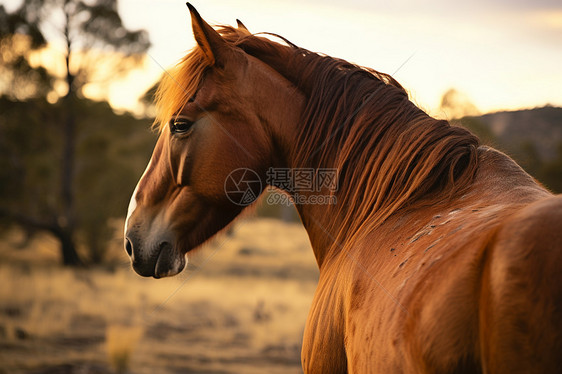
(439, 255)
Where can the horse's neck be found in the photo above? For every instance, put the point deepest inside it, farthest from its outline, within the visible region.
(499, 181)
(284, 129)
(318, 225)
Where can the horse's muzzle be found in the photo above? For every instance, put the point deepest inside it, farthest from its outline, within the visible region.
(157, 261)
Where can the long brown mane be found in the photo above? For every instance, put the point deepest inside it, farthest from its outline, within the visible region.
(390, 154)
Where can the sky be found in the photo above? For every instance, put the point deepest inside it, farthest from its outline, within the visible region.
(500, 54)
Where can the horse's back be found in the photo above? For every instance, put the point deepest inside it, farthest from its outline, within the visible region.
(472, 287)
(521, 297)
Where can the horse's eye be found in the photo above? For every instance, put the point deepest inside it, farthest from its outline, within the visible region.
(180, 125)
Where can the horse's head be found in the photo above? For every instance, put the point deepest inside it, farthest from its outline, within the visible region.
(211, 158)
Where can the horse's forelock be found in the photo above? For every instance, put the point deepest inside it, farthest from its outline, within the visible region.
(178, 86)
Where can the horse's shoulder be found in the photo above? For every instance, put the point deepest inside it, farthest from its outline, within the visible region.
(522, 288)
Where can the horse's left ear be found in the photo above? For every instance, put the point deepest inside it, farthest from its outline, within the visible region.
(208, 39)
(242, 27)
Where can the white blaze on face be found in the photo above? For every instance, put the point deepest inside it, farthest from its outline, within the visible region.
(133, 202)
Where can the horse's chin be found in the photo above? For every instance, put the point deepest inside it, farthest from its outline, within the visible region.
(169, 263)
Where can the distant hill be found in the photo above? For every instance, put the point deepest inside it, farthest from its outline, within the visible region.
(533, 137)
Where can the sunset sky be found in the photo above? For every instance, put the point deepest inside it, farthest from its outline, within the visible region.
(501, 54)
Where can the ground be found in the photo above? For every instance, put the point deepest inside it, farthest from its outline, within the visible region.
(239, 307)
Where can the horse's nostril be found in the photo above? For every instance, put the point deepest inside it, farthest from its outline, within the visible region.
(128, 246)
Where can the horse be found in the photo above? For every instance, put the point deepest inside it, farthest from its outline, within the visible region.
(439, 255)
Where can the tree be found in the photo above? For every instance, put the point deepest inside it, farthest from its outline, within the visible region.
(19, 37)
(457, 105)
(97, 47)
(106, 168)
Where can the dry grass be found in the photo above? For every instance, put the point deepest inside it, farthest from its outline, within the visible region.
(240, 307)
(121, 342)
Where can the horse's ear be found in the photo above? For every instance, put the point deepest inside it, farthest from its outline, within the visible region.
(242, 27)
(208, 39)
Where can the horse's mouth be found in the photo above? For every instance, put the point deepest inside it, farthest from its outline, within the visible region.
(165, 262)
(169, 262)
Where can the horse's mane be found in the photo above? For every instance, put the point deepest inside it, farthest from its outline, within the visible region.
(389, 153)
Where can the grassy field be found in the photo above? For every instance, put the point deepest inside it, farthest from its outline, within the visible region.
(239, 307)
